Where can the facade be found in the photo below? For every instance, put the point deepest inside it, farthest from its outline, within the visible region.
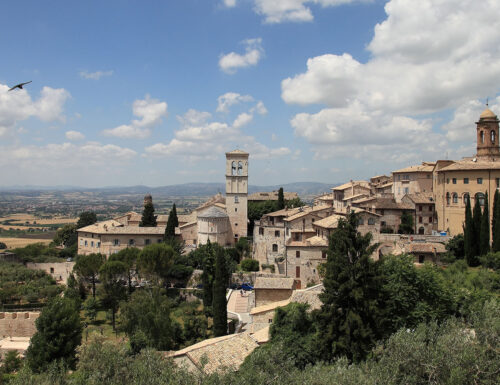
(269, 290)
(413, 179)
(469, 178)
(237, 193)
(424, 213)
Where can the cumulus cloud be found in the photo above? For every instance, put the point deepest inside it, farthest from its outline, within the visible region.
(17, 106)
(74, 135)
(233, 61)
(95, 75)
(199, 137)
(224, 102)
(426, 57)
(150, 111)
(229, 3)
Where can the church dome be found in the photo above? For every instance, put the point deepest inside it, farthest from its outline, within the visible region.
(487, 113)
(213, 212)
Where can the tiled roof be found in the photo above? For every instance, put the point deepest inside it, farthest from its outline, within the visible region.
(114, 227)
(284, 212)
(270, 306)
(217, 198)
(471, 165)
(387, 203)
(354, 197)
(429, 248)
(306, 211)
(274, 283)
(216, 354)
(261, 336)
(186, 218)
(309, 242)
(213, 212)
(358, 183)
(188, 224)
(421, 198)
(424, 167)
(329, 222)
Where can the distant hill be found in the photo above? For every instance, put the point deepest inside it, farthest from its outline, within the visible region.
(186, 189)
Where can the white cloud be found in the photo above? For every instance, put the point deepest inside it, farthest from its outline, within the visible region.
(95, 75)
(150, 111)
(426, 57)
(74, 135)
(224, 102)
(233, 61)
(17, 106)
(229, 3)
(242, 120)
(260, 108)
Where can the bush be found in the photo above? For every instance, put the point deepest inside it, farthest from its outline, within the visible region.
(249, 265)
(270, 267)
(2, 246)
(491, 261)
(386, 230)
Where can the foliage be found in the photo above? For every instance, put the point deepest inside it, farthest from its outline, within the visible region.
(176, 243)
(129, 257)
(111, 274)
(219, 293)
(194, 322)
(148, 216)
(243, 248)
(38, 252)
(495, 215)
(250, 265)
(268, 266)
(66, 235)
(473, 259)
(18, 284)
(172, 223)
(86, 218)
(208, 253)
(155, 260)
(491, 261)
(406, 226)
(2, 246)
(484, 233)
(59, 332)
(348, 320)
(281, 199)
(11, 362)
(147, 314)
(87, 267)
(91, 307)
(456, 246)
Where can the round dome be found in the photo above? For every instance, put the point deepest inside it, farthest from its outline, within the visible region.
(213, 212)
(487, 113)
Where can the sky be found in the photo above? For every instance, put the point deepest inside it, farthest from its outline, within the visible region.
(149, 92)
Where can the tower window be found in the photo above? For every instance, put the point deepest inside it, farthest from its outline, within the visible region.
(492, 136)
(233, 168)
(236, 200)
(240, 168)
(482, 136)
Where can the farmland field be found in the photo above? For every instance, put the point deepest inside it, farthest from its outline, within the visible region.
(12, 243)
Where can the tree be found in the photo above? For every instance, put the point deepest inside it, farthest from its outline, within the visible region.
(495, 234)
(155, 261)
(146, 317)
(91, 307)
(456, 246)
(207, 277)
(87, 267)
(243, 248)
(66, 235)
(469, 247)
(219, 294)
(406, 226)
(473, 259)
(87, 218)
(484, 234)
(250, 265)
(129, 257)
(11, 363)
(281, 199)
(172, 223)
(113, 291)
(349, 317)
(59, 332)
(148, 216)
(2, 246)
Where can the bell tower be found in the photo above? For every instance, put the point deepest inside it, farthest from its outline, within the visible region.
(487, 136)
(237, 193)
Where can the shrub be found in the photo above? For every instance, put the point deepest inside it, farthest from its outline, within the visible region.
(270, 267)
(250, 265)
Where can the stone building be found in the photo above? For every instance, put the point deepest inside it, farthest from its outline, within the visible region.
(348, 192)
(413, 179)
(388, 209)
(271, 196)
(469, 178)
(269, 290)
(424, 214)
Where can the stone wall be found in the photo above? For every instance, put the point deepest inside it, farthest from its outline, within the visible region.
(265, 296)
(20, 324)
(60, 271)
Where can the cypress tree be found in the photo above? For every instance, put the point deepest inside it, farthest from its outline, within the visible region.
(219, 294)
(172, 223)
(473, 259)
(207, 277)
(148, 216)
(484, 235)
(281, 199)
(174, 214)
(495, 235)
(468, 231)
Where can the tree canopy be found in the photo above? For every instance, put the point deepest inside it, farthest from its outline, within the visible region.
(148, 216)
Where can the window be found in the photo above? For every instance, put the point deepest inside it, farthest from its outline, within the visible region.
(406, 177)
(297, 254)
(236, 224)
(323, 254)
(240, 168)
(297, 272)
(492, 136)
(466, 198)
(381, 212)
(116, 242)
(371, 221)
(447, 198)
(382, 223)
(261, 231)
(131, 242)
(480, 199)
(236, 199)
(275, 248)
(276, 233)
(147, 241)
(91, 243)
(447, 180)
(419, 219)
(235, 209)
(287, 231)
(98, 244)
(86, 243)
(159, 240)
(430, 219)
(466, 180)
(81, 242)
(51, 270)
(455, 198)
(454, 180)
(497, 180)
(270, 320)
(361, 222)
(406, 190)
(233, 168)
(419, 208)
(479, 180)
(430, 208)
(482, 136)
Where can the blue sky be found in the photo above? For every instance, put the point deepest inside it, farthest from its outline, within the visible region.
(154, 92)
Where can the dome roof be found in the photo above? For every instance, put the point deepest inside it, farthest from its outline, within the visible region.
(213, 212)
(487, 113)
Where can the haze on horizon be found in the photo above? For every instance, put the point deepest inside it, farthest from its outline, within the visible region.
(154, 94)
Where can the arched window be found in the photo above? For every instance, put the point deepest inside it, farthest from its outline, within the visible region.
(466, 198)
(421, 231)
(233, 168)
(455, 198)
(482, 136)
(480, 199)
(447, 198)
(240, 168)
(492, 136)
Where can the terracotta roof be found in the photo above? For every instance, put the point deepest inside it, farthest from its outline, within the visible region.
(188, 224)
(329, 222)
(424, 167)
(471, 165)
(114, 227)
(387, 203)
(261, 336)
(325, 197)
(363, 211)
(270, 306)
(216, 354)
(421, 197)
(274, 283)
(429, 248)
(354, 197)
(358, 183)
(213, 212)
(186, 218)
(306, 211)
(217, 198)
(284, 212)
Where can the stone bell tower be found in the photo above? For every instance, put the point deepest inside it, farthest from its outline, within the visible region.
(237, 193)
(487, 136)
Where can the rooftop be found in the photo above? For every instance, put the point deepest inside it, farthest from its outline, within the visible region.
(213, 212)
(274, 283)
(358, 183)
(428, 248)
(471, 165)
(330, 222)
(272, 196)
(424, 167)
(421, 198)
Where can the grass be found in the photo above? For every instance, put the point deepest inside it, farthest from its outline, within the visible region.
(101, 326)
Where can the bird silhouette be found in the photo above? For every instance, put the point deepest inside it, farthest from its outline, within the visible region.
(20, 85)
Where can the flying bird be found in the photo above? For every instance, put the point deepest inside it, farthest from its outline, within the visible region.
(20, 85)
